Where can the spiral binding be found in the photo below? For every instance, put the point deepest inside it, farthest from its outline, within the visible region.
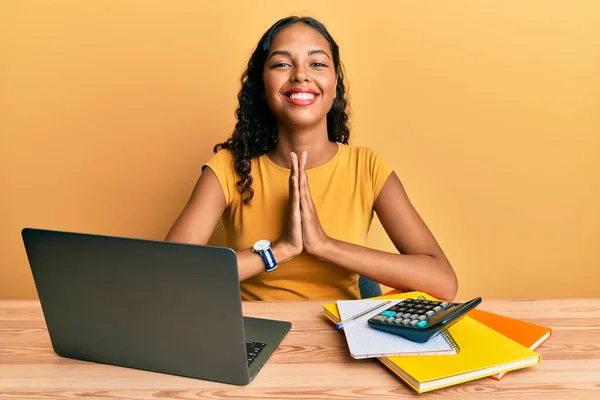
(449, 339)
(447, 336)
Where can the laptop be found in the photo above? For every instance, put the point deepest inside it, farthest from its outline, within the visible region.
(151, 305)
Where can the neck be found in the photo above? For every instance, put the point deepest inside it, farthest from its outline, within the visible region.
(313, 140)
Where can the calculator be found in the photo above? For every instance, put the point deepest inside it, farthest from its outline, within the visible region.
(418, 319)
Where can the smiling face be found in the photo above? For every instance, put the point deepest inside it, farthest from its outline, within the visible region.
(299, 76)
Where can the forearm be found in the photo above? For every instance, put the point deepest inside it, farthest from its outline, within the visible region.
(400, 271)
(251, 264)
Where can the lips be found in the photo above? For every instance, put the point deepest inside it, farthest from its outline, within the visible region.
(301, 97)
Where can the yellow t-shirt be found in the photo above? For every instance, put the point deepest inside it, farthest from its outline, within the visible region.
(343, 189)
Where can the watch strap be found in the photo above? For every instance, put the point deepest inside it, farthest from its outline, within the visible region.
(269, 259)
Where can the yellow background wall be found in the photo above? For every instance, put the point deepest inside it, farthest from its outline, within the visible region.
(488, 111)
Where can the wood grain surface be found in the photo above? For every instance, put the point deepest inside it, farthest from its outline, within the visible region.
(311, 363)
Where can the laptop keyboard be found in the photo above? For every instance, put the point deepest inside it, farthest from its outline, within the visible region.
(253, 349)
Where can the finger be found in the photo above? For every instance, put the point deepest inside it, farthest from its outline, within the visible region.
(305, 204)
(306, 186)
(302, 172)
(304, 157)
(295, 186)
(301, 178)
(293, 164)
(291, 184)
(307, 196)
(293, 170)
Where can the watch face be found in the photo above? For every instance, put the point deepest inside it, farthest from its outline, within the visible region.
(262, 245)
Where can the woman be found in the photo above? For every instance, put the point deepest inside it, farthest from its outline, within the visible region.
(295, 199)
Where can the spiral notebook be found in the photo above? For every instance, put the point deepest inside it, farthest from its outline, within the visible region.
(482, 352)
(366, 342)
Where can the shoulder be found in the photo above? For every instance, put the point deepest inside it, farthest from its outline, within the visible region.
(222, 157)
(222, 165)
(370, 165)
(364, 154)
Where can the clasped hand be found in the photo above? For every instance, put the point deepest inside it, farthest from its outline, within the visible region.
(302, 229)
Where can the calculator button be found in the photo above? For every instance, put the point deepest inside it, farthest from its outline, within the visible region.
(379, 318)
(388, 313)
(418, 320)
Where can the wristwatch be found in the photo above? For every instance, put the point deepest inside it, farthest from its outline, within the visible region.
(263, 247)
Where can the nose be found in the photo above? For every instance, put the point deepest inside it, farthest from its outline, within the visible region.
(299, 74)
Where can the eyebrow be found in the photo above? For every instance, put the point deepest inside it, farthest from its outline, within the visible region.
(287, 53)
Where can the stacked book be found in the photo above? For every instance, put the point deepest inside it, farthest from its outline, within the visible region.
(482, 344)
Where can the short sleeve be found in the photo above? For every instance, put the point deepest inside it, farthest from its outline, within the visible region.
(222, 165)
(380, 172)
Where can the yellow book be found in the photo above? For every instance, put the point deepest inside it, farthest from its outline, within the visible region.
(481, 352)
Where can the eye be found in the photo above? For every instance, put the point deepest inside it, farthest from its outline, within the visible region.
(280, 65)
(319, 64)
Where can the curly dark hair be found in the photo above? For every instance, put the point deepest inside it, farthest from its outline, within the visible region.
(255, 132)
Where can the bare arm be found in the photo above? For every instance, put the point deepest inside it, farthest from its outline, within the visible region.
(421, 265)
(202, 213)
(200, 216)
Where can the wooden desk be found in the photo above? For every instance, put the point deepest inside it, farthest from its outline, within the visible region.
(311, 363)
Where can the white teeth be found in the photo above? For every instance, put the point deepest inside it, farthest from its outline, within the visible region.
(302, 96)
